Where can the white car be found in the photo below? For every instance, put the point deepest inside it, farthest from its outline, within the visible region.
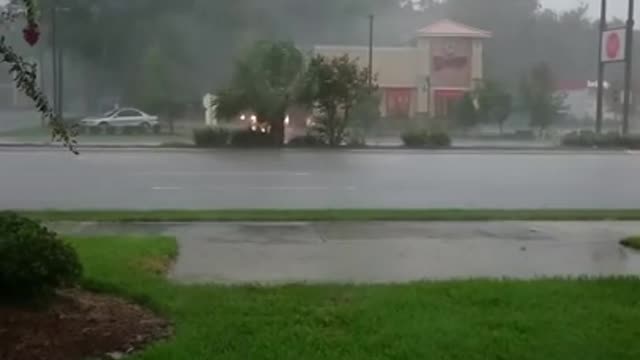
(123, 118)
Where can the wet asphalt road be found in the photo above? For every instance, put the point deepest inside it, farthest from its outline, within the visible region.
(126, 179)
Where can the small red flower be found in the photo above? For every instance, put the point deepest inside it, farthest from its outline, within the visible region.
(31, 34)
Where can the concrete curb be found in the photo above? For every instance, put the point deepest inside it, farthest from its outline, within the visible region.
(374, 148)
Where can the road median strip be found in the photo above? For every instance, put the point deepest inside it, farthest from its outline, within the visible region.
(335, 215)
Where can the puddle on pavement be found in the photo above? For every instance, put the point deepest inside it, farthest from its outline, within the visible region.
(385, 252)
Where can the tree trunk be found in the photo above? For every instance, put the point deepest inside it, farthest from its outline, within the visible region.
(169, 116)
(331, 127)
(278, 131)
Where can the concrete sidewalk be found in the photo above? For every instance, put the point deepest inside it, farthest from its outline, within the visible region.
(380, 252)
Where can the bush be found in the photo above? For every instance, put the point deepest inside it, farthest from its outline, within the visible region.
(426, 139)
(132, 130)
(356, 138)
(439, 140)
(589, 139)
(415, 138)
(249, 138)
(92, 130)
(34, 261)
(308, 140)
(211, 137)
(523, 135)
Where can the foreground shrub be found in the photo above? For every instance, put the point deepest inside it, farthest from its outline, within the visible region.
(249, 138)
(211, 137)
(426, 139)
(34, 261)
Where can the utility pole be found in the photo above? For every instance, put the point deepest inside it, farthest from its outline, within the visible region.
(61, 82)
(628, 68)
(54, 57)
(600, 100)
(371, 20)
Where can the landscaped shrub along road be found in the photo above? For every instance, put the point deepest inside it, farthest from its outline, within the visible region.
(545, 319)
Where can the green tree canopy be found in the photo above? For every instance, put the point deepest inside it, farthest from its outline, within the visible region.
(466, 114)
(494, 103)
(332, 87)
(265, 81)
(540, 98)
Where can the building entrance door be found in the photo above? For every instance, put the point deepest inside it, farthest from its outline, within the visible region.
(446, 101)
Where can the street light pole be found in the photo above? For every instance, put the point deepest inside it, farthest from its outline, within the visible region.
(628, 68)
(54, 57)
(371, 20)
(61, 82)
(600, 100)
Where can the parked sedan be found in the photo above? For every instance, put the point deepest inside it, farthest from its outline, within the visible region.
(123, 118)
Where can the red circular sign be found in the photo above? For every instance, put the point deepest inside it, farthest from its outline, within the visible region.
(613, 45)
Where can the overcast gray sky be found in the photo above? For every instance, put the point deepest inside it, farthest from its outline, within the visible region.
(616, 7)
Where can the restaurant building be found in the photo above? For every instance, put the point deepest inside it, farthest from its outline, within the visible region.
(444, 62)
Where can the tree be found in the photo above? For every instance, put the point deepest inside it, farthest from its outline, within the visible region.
(540, 98)
(494, 103)
(614, 99)
(265, 82)
(466, 113)
(25, 73)
(502, 110)
(366, 113)
(158, 86)
(333, 87)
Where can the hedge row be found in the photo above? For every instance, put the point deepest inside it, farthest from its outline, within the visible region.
(220, 137)
(426, 139)
(589, 139)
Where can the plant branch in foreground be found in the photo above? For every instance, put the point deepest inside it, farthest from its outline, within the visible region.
(24, 75)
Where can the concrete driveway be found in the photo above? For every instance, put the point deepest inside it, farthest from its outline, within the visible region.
(381, 252)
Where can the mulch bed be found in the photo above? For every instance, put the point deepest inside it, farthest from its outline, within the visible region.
(78, 325)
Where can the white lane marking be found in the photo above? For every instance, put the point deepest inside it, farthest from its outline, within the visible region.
(633, 152)
(284, 188)
(263, 188)
(166, 188)
(221, 173)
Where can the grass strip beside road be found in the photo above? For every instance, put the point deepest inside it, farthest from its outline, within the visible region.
(479, 319)
(333, 215)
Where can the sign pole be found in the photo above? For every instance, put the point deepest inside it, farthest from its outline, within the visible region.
(600, 101)
(628, 68)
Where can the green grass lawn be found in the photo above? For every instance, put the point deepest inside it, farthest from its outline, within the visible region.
(467, 320)
(333, 215)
